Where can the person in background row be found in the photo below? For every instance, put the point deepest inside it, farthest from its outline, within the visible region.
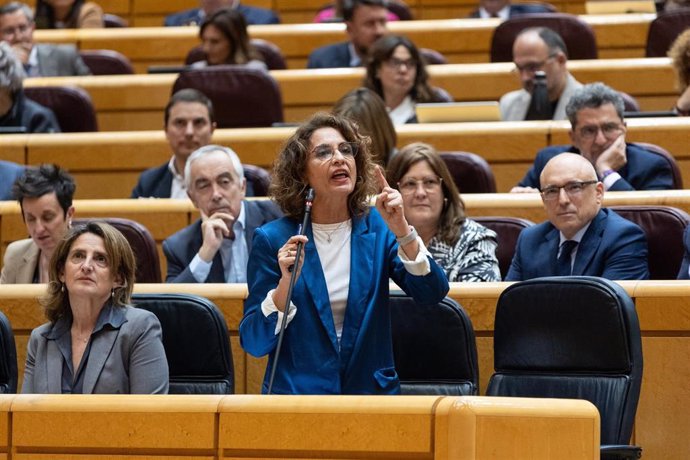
(9, 172)
(504, 9)
(684, 272)
(68, 14)
(225, 41)
(464, 249)
(39, 59)
(338, 338)
(597, 131)
(16, 111)
(535, 49)
(367, 109)
(45, 196)
(580, 237)
(189, 124)
(95, 342)
(196, 16)
(397, 73)
(680, 58)
(366, 21)
(334, 13)
(215, 248)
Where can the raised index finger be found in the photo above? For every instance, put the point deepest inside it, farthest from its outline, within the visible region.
(381, 179)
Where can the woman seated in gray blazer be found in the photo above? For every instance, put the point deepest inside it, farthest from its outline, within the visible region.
(94, 342)
(45, 196)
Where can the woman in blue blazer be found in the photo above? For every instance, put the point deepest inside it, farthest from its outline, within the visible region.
(338, 338)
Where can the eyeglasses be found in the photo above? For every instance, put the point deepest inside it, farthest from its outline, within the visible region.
(609, 130)
(397, 64)
(326, 152)
(532, 67)
(430, 184)
(571, 188)
(14, 31)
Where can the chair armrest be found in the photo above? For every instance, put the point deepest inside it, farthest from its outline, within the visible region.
(620, 452)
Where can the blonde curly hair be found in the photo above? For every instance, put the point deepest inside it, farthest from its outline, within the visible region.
(680, 57)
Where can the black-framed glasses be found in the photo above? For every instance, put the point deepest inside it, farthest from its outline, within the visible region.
(326, 152)
(431, 184)
(574, 188)
(397, 64)
(609, 130)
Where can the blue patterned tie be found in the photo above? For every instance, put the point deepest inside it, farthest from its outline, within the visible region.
(564, 266)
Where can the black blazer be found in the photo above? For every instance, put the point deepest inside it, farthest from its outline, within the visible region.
(330, 56)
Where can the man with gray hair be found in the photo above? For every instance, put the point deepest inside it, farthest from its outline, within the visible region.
(215, 248)
(598, 133)
(16, 111)
(539, 49)
(39, 60)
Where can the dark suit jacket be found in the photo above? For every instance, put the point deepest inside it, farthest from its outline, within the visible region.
(126, 356)
(59, 61)
(330, 56)
(313, 362)
(31, 115)
(9, 172)
(644, 170)
(612, 247)
(157, 183)
(683, 273)
(252, 15)
(520, 8)
(180, 248)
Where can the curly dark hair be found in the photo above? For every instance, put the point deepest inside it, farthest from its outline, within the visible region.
(453, 213)
(289, 184)
(680, 57)
(381, 51)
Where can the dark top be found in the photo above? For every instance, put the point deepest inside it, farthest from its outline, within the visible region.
(252, 15)
(31, 115)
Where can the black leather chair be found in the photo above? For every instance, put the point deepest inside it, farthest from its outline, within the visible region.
(578, 35)
(269, 52)
(258, 180)
(432, 57)
(113, 20)
(143, 244)
(72, 106)
(662, 152)
(8, 357)
(106, 62)
(471, 173)
(507, 230)
(196, 342)
(664, 29)
(664, 227)
(434, 347)
(572, 337)
(242, 97)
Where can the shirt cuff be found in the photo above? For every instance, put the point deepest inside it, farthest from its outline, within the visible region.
(200, 268)
(268, 308)
(610, 180)
(420, 266)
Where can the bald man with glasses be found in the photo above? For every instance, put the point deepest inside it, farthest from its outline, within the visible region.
(598, 133)
(580, 237)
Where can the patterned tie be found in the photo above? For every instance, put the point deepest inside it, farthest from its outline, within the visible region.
(564, 267)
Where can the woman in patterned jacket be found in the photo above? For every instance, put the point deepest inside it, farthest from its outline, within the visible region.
(463, 248)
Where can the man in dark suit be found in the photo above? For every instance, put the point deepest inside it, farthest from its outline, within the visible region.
(215, 249)
(598, 132)
(503, 9)
(684, 272)
(189, 125)
(9, 172)
(580, 238)
(39, 60)
(365, 22)
(195, 16)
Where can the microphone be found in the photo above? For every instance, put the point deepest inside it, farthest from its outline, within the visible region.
(301, 230)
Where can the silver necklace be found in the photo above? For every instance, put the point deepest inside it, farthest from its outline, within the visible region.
(329, 235)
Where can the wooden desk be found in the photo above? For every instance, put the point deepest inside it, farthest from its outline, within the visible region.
(663, 308)
(460, 40)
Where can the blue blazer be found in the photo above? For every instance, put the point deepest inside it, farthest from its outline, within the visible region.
(612, 247)
(252, 15)
(644, 170)
(181, 247)
(9, 172)
(683, 272)
(330, 56)
(311, 361)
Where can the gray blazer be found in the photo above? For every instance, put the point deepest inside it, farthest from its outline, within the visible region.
(126, 357)
(21, 260)
(514, 105)
(59, 61)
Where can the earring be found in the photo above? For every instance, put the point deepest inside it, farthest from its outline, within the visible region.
(62, 287)
(112, 293)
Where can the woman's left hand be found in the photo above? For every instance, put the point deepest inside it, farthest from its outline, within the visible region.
(389, 203)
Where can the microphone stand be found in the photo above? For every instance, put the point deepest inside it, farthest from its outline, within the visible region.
(308, 201)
